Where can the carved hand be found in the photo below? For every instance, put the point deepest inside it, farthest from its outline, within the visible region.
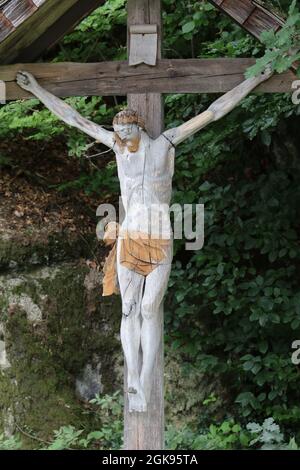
(267, 73)
(25, 80)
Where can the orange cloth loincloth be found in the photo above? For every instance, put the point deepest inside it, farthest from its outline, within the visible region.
(139, 252)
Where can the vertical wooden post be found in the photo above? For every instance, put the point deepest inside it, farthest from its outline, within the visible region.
(145, 431)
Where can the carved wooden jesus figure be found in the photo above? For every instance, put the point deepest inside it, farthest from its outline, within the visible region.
(144, 247)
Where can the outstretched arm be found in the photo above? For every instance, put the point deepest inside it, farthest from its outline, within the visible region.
(64, 111)
(218, 109)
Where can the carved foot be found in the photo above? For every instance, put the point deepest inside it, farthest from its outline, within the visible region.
(136, 398)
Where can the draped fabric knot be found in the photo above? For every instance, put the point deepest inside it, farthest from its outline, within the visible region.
(140, 252)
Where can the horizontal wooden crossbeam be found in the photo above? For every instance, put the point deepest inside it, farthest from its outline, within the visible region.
(117, 78)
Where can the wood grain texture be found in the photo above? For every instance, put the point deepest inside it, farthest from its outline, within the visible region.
(143, 29)
(6, 27)
(117, 78)
(145, 431)
(58, 29)
(239, 10)
(260, 21)
(34, 26)
(15, 12)
(250, 15)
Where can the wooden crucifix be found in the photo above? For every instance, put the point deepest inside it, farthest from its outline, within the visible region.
(145, 159)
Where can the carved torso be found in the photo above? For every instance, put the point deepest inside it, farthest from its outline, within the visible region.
(146, 184)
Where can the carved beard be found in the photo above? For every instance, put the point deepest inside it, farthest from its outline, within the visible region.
(132, 146)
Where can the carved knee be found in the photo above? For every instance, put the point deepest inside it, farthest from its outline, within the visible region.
(148, 310)
(128, 308)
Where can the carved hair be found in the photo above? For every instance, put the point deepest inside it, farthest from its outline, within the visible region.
(128, 116)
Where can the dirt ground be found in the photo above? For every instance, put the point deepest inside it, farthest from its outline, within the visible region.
(28, 196)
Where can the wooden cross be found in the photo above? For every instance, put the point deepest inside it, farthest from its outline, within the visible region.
(146, 430)
(145, 86)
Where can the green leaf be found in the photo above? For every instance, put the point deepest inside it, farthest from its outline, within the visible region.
(266, 138)
(188, 27)
(263, 346)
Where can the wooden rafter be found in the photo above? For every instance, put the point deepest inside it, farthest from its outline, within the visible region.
(13, 13)
(29, 27)
(251, 15)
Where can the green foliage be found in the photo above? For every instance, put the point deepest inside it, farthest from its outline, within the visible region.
(10, 443)
(198, 18)
(269, 437)
(101, 36)
(111, 412)
(109, 437)
(107, 409)
(234, 310)
(282, 47)
(186, 27)
(230, 435)
(65, 438)
(243, 285)
(226, 436)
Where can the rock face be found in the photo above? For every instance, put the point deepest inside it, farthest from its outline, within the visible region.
(59, 338)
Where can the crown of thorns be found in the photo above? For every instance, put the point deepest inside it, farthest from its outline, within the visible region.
(129, 116)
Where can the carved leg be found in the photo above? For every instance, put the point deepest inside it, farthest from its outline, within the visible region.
(131, 287)
(155, 288)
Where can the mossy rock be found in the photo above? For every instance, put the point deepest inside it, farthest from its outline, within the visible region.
(32, 248)
(60, 345)
(191, 398)
(55, 326)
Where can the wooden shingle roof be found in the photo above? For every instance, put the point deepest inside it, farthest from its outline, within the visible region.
(14, 12)
(251, 15)
(29, 27)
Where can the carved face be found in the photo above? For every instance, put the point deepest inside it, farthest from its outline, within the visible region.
(127, 132)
